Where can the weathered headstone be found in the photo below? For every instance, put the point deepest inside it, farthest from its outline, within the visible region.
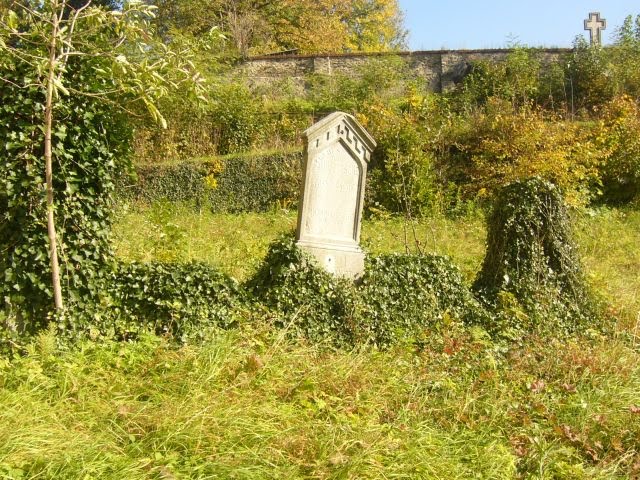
(337, 152)
(595, 25)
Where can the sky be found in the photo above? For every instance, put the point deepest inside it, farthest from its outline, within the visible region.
(476, 24)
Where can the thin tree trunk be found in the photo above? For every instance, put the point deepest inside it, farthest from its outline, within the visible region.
(51, 226)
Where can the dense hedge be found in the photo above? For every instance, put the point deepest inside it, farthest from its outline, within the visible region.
(231, 185)
(182, 301)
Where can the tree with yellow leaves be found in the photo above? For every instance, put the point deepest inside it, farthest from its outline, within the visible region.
(256, 27)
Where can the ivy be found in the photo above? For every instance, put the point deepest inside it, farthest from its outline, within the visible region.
(308, 301)
(91, 148)
(399, 298)
(405, 295)
(531, 273)
(182, 301)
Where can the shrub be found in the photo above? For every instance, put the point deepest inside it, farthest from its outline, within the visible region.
(620, 171)
(531, 272)
(400, 297)
(181, 182)
(404, 295)
(308, 301)
(590, 76)
(402, 176)
(499, 145)
(236, 119)
(182, 301)
(516, 79)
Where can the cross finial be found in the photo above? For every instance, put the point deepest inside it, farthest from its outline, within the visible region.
(595, 25)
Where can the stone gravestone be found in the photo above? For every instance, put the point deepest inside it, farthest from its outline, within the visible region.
(337, 152)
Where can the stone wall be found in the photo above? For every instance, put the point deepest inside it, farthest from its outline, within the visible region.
(442, 69)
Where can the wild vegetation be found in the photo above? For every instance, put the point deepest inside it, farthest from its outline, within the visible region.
(193, 339)
(250, 402)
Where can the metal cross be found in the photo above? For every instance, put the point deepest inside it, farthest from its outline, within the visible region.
(595, 26)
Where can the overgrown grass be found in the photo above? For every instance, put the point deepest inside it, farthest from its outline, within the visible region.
(251, 405)
(610, 248)
(609, 243)
(237, 243)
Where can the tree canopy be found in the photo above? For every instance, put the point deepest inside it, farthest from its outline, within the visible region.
(306, 26)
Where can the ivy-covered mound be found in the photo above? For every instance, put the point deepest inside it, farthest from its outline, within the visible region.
(182, 301)
(404, 295)
(531, 273)
(308, 301)
(399, 297)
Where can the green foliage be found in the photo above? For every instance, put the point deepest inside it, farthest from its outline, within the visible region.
(91, 148)
(626, 56)
(68, 88)
(236, 119)
(590, 76)
(182, 182)
(386, 78)
(185, 302)
(620, 169)
(178, 300)
(401, 177)
(516, 79)
(308, 301)
(250, 183)
(257, 183)
(531, 272)
(401, 298)
(405, 296)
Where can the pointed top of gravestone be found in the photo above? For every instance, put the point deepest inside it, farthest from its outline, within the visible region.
(345, 127)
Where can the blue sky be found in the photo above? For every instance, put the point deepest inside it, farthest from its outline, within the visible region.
(471, 24)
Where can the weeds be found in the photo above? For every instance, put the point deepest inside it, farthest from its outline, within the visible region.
(249, 404)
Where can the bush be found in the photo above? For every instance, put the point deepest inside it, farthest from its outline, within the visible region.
(620, 171)
(590, 75)
(498, 145)
(517, 80)
(531, 272)
(309, 302)
(404, 295)
(404, 176)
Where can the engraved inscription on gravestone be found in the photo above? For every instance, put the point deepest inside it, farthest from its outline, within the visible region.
(337, 151)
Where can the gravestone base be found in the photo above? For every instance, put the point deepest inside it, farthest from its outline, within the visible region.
(339, 260)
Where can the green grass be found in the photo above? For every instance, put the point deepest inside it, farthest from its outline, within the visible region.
(250, 404)
(609, 242)
(237, 243)
(610, 248)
